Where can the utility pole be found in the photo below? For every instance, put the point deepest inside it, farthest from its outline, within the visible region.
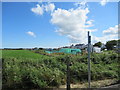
(68, 73)
(89, 50)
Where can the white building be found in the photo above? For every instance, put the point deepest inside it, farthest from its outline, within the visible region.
(97, 49)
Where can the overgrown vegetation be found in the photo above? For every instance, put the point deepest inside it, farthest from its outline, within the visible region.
(23, 68)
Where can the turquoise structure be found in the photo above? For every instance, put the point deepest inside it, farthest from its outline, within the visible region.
(65, 50)
(70, 50)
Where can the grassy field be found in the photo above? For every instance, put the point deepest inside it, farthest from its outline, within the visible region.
(0, 54)
(24, 68)
(21, 54)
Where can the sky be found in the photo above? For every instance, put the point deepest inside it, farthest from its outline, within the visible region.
(57, 24)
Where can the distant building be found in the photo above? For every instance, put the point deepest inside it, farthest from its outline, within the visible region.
(97, 49)
(80, 46)
(35, 48)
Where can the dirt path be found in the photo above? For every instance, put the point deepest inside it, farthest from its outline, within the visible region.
(113, 86)
(94, 84)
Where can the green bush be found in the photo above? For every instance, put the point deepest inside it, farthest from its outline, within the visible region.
(22, 68)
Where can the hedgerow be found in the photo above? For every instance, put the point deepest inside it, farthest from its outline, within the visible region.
(23, 69)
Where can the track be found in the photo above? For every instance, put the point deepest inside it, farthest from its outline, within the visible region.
(113, 86)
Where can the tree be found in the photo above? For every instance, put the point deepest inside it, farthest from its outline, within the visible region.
(110, 44)
(98, 44)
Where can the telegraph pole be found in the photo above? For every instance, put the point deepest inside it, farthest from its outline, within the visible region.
(89, 50)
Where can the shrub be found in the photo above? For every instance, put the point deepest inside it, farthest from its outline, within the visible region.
(24, 68)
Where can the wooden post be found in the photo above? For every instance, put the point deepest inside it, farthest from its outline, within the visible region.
(68, 73)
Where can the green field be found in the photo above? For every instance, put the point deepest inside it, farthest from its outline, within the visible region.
(24, 68)
(21, 54)
(0, 53)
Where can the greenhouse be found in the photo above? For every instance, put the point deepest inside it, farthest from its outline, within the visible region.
(66, 50)
(70, 50)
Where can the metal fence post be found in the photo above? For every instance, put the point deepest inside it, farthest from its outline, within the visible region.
(89, 68)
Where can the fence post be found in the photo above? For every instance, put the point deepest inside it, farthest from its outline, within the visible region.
(68, 73)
